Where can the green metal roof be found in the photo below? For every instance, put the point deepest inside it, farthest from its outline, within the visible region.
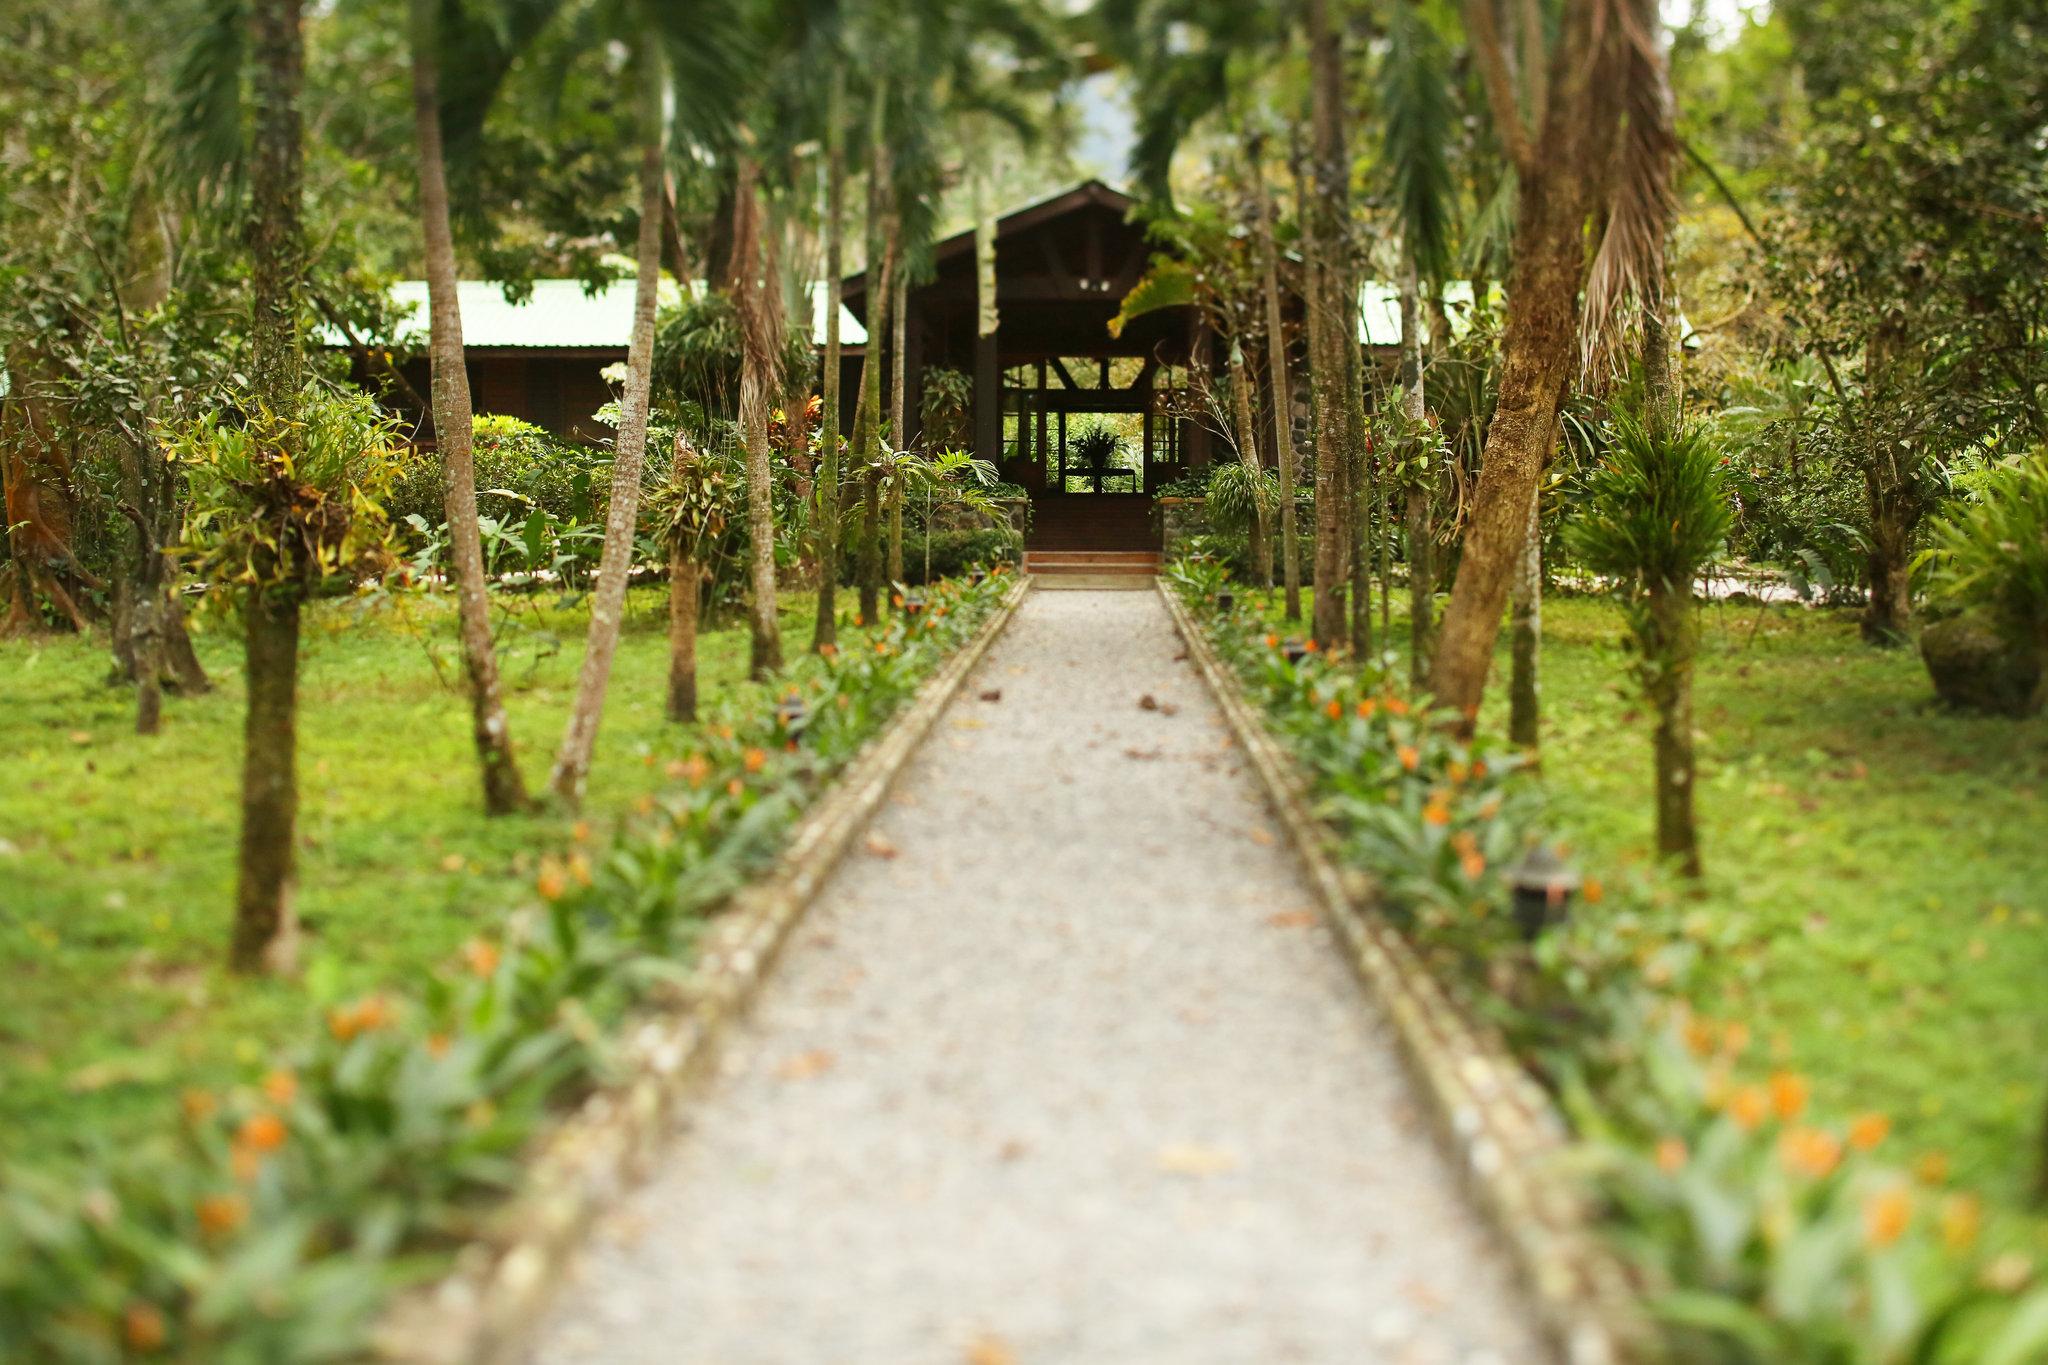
(1379, 311)
(560, 315)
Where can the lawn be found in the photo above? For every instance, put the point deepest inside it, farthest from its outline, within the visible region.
(1884, 862)
(117, 853)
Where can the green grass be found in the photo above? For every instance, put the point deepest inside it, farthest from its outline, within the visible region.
(117, 852)
(1885, 862)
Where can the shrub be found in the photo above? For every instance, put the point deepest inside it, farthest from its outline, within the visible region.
(1991, 554)
(955, 552)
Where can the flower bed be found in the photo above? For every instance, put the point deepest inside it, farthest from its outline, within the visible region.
(271, 1221)
(1766, 1232)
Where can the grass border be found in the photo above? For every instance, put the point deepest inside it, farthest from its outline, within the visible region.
(483, 1308)
(1509, 1138)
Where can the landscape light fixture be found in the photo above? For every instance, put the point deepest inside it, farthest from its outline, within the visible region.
(1225, 600)
(793, 716)
(1543, 885)
(1294, 649)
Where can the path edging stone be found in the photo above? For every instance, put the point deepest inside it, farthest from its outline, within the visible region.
(480, 1311)
(1509, 1139)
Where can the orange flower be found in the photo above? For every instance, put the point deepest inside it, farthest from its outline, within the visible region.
(1735, 1039)
(1811, 1152)
(142, 1327)
(481, 955)
(1272, 642)
(1478, 769)
(579, 866)
(551, 883)
(881, 646)
(1309, 645)
(735, 788)
(696, 769)
(1749, 1107)
(827, 650)
(1335, 710)
(754, 760)
(1961, 1217)
(367, 1015)
(1671, 1155)
(438, 1044)
(1789, 1094)
(1932, 1168)
(1410, 757)
(1396, 707)
(1886, 1215)
(1699, 1037)
(580, 831)
(221, 1214)
(261, 1133)
(1591, 891)
(281, 1087)
(1366, 708)
(1456, 771)
(1868, 1130)
(198, 1105)
(1473, 862)
(1436, 812)
(857, 621)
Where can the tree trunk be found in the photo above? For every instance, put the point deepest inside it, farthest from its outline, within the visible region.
(1414, 414)
(825, 631)
(266, 926)
(1671, 617)
(1894, 515)
(867, 420)
(1559, 182)
(1326, 236)
(265, 932)
(899, 414)
(1367, 488)
(1525, 706)
(760, 344)
(504, 790)
(608, 601)
(1283, 399)
(685, 577)
(1248, 455)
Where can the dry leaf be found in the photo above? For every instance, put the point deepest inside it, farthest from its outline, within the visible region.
(880, 847)
(1144, 753)
(1292, 919)
(1167, 708)
(993, 694)
(1148, 703)
(1187, 1158)
(989, 1349)
(1262, 836)
(805, 1065)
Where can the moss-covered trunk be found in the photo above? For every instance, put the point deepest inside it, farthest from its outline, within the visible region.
(825, 515)
(685, 579)
(266, 926)
(1673, 647)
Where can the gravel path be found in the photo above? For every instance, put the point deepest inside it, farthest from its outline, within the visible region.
(1062, 1068)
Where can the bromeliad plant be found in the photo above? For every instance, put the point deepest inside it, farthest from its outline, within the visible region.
(271, 1220)
(1991, 556)
(1655, 515)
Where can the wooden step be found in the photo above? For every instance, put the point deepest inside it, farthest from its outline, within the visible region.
(1093, 563)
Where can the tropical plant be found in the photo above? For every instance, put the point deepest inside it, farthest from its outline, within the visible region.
(1655, 514)
(1991, 554)
(688, 514)
(279, 506)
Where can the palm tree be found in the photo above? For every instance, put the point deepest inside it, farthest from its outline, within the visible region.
(758, 296)
(1558, 125)
(504, 790)
(826, 513)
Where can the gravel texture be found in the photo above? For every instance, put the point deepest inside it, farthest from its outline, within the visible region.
(1062, 1068)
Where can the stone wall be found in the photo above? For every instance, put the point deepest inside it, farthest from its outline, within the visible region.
(1180, 519)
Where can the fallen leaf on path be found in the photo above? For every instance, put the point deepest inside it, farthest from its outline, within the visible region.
(988, 1349)
(1292, 919)
(1148, 702)
(880, 847)
(805, 1065)
(1144, 753)
(1262, 836)
(1187, 1158)
(969, 723)
(993, 694)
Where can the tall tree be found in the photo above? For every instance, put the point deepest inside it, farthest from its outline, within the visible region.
(608, 601)
(758, 295)
(825, 515)
(1326, 243)
(1558, 124)
(504, 790)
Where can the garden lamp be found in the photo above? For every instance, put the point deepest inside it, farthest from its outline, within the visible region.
(1543, 885)
(913, 604)
(1294, 649)
(793, 716)
(1225, 600)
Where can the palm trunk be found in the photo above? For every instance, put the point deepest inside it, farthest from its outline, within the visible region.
(504, 791)
(1414, 412)
(899, 414)
(1248, 456)
(1540, 345)
(1525, 712)
(867, 420)
(265, 932)
(754, 285)
(825, 631)
(1671, 617)
(1283, 401)
(1894, 514)
(685, 576)
(608, 601)
(1327, 224)
(1366, 485)
(266, 926)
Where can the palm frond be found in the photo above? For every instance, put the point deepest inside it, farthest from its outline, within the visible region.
(1421, 121)
(1168, 283)
(1629, 265)
(203, 131)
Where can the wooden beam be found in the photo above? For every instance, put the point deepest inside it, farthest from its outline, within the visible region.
(1060, 369)
(988, 400)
